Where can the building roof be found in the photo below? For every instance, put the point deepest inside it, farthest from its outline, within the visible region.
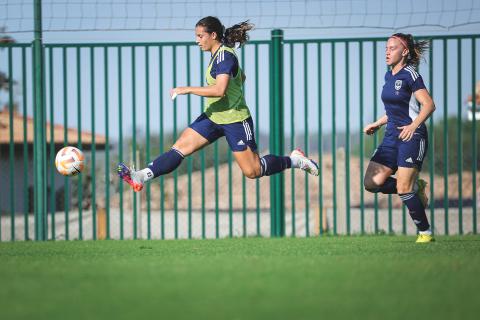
(58, 132)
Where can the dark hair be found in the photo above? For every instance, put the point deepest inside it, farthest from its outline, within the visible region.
(416, 48)
(230, 36)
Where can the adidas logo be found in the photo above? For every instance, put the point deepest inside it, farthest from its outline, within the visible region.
(409, 160)
(240, 143)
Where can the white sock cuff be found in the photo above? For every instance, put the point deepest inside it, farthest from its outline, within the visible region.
(295, 162)
(147, 174)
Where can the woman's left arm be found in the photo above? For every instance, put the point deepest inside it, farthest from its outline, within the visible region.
(425, 100)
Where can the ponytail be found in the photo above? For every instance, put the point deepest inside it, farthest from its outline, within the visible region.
(237, 34)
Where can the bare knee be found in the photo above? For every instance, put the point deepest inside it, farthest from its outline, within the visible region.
(183, 145)
(376, 176)
(251, 173)
(406, 178)
(189, 142)
(370, 185)
(403, 187)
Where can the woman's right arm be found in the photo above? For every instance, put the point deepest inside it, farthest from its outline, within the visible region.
(374, 126)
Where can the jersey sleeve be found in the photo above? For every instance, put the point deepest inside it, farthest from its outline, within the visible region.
(417, 84)
(226, 63)
(414, 79)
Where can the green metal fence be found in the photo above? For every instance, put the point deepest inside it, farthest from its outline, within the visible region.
(111, 100)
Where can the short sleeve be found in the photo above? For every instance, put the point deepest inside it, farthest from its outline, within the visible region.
(417, 84)
(226, 63)
(414, 79)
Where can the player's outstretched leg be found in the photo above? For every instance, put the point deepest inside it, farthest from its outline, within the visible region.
(271, 164)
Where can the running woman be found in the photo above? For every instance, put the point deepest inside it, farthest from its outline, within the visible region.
(405, 144)
(225, 114)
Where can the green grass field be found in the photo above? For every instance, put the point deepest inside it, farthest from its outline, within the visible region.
(316, 278)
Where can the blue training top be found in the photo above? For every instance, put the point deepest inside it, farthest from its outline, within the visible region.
(398, 97)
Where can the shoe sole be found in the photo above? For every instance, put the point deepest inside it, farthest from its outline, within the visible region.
(433, 240)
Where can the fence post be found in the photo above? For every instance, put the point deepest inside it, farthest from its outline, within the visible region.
(39, 144)
(277, 182)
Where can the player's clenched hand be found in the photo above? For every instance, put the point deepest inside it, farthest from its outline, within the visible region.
(371, 128)
(407, 132)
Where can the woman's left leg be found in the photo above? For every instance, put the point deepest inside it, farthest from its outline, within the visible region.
(249, 163)
(406, 182)
(241, 139)
(253, 166)
(410, 159)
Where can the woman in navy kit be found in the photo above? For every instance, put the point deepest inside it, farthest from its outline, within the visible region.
(405, 144)
(225, 114)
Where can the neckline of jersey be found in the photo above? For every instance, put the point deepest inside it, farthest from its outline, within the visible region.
(213, 55)
(391, 72)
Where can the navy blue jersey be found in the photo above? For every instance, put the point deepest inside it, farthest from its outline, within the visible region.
(398, 97)
(225, 63)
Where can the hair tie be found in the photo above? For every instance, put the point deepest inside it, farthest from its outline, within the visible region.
(404, 43)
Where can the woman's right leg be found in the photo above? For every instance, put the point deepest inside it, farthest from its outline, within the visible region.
(378, 178)
(188, 142)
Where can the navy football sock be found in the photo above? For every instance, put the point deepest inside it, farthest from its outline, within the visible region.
(166, 162)
(416, 210)
(271, 164)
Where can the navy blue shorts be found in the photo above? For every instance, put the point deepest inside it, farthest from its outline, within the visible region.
(239, 135)
(394, 153)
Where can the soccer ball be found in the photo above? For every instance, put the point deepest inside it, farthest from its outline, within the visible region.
(69, 161)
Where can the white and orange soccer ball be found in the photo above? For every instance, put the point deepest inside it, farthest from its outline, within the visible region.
(69, 161)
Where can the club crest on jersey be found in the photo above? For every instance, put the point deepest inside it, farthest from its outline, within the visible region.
(398, 84)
